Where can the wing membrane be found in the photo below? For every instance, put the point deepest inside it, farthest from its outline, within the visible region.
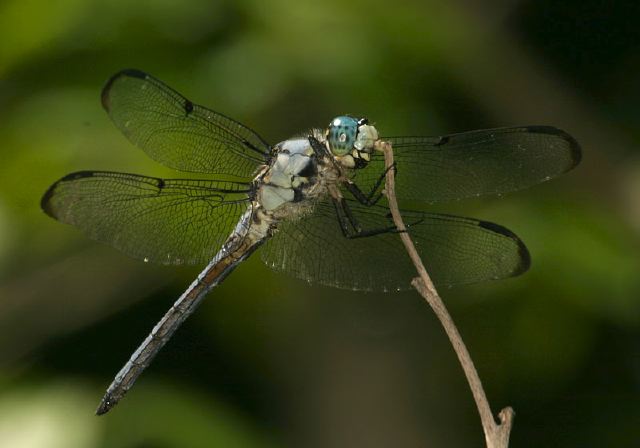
(455, 250)
(485, 162)
(174, 221)
(178, 133)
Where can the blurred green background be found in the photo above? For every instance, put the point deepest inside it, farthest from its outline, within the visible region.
(269, 361)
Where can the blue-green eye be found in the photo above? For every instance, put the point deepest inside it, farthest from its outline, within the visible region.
(341, 135)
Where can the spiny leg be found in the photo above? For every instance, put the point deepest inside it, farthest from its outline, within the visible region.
(368, 199)
(318, 148)
(374, 196)
(350, 226)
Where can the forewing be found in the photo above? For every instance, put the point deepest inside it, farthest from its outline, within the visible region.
(178, 133)
(485, 162)
(455, 250)
(181, 221)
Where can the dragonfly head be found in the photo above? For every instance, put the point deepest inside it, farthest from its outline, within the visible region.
(349, 136)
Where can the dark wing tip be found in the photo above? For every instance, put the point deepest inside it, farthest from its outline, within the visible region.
(523, 253)
(574, 146)
(45, 202)
(128, 72)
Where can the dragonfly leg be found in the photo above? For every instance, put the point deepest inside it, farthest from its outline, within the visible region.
(350, 226)
(374, 195)
(318, 148)
(347, 222)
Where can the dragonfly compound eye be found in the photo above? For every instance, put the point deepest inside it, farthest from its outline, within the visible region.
(341, 135)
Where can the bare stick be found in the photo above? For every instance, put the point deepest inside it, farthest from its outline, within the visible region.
(496, 435)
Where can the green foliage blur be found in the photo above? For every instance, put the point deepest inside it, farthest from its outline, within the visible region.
(269, 361)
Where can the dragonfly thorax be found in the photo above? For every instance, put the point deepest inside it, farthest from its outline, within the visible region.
(292, 172)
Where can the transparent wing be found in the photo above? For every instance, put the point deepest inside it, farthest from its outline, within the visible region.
(179, 221)
(485, 162)
(455, 250)
(178, 133)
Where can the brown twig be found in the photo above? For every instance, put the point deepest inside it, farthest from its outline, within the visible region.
(496, 434)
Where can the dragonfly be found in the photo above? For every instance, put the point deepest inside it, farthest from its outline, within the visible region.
(314, 204)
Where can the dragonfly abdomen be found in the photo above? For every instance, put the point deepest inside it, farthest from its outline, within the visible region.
(252, 230)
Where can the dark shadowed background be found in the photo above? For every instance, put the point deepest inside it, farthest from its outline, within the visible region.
(269, 361)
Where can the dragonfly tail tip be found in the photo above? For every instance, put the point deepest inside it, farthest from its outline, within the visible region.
(105, 405)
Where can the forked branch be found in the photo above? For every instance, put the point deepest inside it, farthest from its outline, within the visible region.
(496, 434)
